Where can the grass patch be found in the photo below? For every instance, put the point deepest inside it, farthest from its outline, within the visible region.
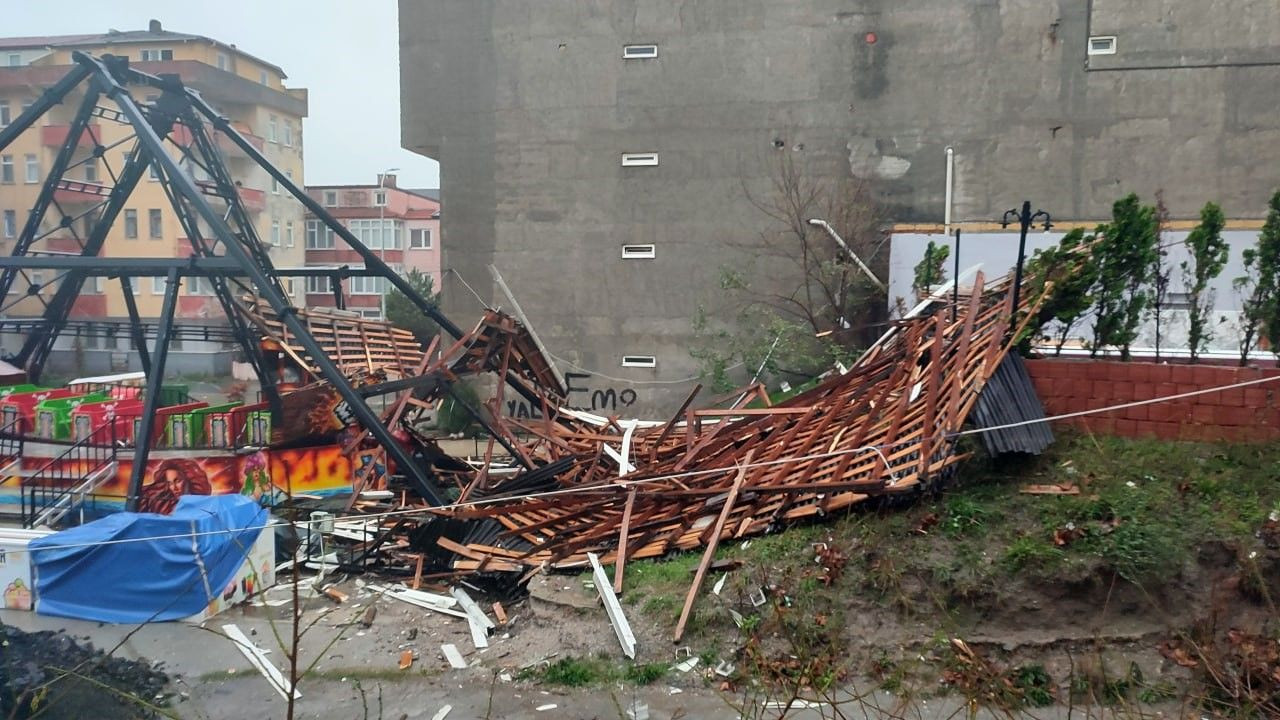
(588, 672)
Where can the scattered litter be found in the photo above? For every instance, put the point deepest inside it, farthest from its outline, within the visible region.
(757, 598)
(620, 625)
(453, 656)
(335, 595)
(406, 659)
(673, 690)
(258, 658)
(544, 708)
(685, 665)
(505, 677)
(442, 712)
(500, 613)
(737, 617)
(715, 589)
(367, 620)
(472, 610)
(638, 711)
(724, 668)
(793, 704)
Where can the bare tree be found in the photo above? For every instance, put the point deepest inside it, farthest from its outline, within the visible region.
(795, 301)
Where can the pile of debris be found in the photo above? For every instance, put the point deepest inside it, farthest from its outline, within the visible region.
(48, 674)
(622, 489)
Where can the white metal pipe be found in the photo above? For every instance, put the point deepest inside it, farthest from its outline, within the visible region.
(946, 203)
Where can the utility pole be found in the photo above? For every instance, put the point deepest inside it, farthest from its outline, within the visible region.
(1025, 220)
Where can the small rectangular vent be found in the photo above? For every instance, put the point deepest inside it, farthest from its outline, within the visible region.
(639, 252)
(639, 361)
(639, 159)
(639, 52)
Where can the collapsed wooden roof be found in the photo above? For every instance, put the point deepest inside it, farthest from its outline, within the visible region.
(625, 489)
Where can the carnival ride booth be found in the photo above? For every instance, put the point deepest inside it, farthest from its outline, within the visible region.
(208, 554)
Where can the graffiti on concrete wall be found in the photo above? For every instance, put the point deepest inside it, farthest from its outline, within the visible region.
(582, 396)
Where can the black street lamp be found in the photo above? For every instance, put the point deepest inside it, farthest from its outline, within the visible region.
(1026, 219)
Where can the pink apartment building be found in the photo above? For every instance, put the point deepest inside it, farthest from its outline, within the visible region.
(400, 224)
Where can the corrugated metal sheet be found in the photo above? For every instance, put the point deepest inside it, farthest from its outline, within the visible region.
(1010, 397)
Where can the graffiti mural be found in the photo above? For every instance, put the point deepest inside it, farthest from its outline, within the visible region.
(607, 400)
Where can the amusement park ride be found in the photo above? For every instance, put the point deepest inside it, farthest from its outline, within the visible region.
(59, 451)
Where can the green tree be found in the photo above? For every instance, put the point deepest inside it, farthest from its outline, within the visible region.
(1126, 256)
(403, 313)
(1260, 287)
(1068, 273)
(1208, 256)
(931, 269)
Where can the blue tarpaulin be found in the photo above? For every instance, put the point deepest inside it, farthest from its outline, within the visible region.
(143, 567)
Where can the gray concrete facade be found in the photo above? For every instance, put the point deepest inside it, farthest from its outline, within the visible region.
(530, 106)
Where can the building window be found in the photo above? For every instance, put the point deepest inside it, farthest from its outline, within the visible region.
(288, 134)
(289, 174)
(275, 185)
(153, 171)
(639, 361)
(380, 198)
(639, 159)
(37, 279)
(156, 55)
(275, 233)
(288, 234)
(6, 169)
(330, 198)
(272, 128)
(420, 239)
(135, 284)
(15, 60)
(1102, 45)
(639, 52)
(365, 285)
(197, 285)
(262, 78)
(131, 224)
(639, 252)
(224, 62)
(5, 119)
(91, 170)
(318, 285)
(319, 236)
(10, 223)
(376, 234)
(157, 285)
(33, 168)
(155, 224)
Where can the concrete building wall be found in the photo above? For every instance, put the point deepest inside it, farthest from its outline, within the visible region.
(529, 107)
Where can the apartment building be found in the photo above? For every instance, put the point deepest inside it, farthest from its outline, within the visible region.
(400, 224)
(249, 90)
(608, 156)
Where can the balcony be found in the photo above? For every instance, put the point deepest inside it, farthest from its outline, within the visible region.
(56, 135)
(253, 200)
(74, 192)
(233, 150)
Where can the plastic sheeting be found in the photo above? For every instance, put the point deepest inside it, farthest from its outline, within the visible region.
(142, 567)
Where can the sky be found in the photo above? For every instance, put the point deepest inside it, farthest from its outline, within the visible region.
(346, 54)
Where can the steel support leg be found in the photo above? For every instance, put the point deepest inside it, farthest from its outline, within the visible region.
(139, 334)
(151, 401)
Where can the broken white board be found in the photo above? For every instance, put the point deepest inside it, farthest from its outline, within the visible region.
(614, 609)
(257, 657)
(453, 656)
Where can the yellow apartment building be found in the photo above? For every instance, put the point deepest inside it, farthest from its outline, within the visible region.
(248, 90)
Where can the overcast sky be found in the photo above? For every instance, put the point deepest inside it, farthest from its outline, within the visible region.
(345, 53)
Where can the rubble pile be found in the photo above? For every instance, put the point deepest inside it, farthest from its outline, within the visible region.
(50, 675)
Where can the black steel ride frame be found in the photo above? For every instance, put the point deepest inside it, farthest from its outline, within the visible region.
(225, 246)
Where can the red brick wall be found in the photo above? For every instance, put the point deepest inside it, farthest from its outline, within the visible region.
(1248, 414)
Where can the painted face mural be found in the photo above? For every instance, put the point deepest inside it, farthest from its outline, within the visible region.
(170, 480)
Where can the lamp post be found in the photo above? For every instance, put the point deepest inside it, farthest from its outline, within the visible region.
(1025, 219)
(382, 234)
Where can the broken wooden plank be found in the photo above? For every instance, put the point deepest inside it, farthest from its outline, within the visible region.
(710, 552)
